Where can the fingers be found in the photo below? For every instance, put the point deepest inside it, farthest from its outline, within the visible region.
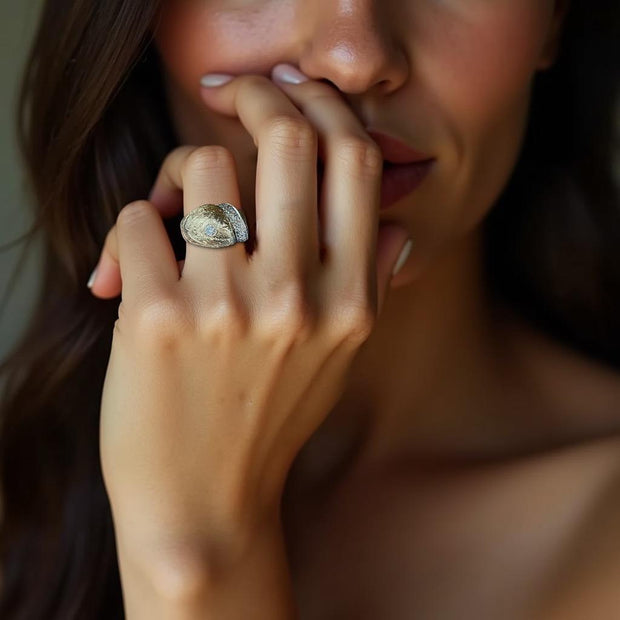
(287, 239)
(289, 124)
(136, 252)
(195, 176)
(353, 168)
(352, 178)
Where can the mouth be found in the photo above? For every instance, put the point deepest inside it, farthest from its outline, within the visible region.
(395, 151)
(404, 168)
(398, 180)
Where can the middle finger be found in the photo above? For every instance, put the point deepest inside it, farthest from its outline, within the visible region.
(287, 238)
(349, 211)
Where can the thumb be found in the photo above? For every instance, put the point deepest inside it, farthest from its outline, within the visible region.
(393, 248)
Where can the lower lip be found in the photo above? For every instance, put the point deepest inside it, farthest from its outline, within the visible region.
(399, 180)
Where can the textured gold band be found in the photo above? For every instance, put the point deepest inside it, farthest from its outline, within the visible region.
(215, 226)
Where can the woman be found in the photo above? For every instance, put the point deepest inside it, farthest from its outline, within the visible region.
(281, 426)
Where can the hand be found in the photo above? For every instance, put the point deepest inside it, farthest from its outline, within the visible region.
(218, 375)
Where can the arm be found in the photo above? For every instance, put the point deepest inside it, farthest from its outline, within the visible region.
(220, 372)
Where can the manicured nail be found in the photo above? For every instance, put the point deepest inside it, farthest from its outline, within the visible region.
(215, 79)
(402, 258)
(91, 280)
(288, 74)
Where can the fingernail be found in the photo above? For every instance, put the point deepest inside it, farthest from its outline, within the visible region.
(403, 256)
(288, 74)
(91, 280)
(215, 79)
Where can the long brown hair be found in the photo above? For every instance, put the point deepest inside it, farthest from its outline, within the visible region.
(93, 129)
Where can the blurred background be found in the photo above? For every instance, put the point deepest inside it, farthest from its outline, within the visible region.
(17, 23)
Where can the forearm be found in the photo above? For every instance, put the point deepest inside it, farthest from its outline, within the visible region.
(250, 583)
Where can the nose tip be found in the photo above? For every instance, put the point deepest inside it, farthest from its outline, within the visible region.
(355, 54)
(351, 69)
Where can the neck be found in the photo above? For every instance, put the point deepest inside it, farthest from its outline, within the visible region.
(431, 365)
(435, 379)
(450, 376)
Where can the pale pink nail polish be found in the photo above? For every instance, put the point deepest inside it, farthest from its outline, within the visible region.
(91, 280)
(402, 259)
(288, 74)
(215, 79)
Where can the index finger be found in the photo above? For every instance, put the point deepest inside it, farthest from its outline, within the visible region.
(136, 255)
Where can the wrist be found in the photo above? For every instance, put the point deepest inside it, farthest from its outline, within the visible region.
(202, 578)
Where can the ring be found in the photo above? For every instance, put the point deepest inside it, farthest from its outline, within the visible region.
(215, 226)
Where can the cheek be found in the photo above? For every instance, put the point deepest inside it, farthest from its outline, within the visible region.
(475, 60)
(194, 39)
(481, 58)
(479, 70)
(187, 40)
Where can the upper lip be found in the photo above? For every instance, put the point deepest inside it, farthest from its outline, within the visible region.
(395, 151)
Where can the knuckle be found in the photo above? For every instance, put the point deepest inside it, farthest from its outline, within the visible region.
(361, 156)
(356, 322)
(160, 322)
(291, 315)
(293, 136)
(208, 159)
(225, 317)
(177, 154)
(132, 213)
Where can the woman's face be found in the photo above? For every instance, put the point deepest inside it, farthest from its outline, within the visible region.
(450, 78)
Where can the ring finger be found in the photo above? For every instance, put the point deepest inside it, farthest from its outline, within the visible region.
(204, 175)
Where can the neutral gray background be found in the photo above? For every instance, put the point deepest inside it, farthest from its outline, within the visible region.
(17, 22)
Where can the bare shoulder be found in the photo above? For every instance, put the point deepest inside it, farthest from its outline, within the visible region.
(584, 395)
(572, 384)
(586, 581)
